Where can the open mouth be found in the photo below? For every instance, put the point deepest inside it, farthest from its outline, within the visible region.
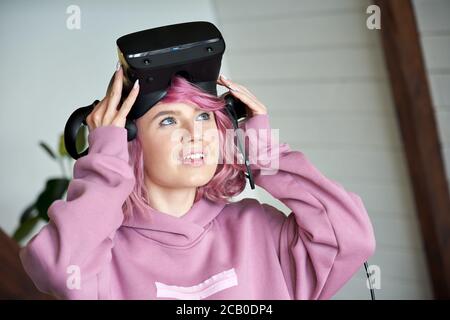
(194, 158)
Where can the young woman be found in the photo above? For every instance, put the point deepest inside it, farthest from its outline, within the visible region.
(139, 225)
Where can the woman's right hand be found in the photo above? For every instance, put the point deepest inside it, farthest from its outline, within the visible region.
(106, 112)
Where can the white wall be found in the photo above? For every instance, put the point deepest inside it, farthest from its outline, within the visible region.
(322, 75)
(433, 18)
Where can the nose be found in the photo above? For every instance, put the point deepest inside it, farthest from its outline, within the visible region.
(193, 131)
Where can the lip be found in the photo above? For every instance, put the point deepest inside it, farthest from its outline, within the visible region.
(193, 162)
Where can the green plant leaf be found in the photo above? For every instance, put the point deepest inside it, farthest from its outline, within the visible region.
(81, 139)
(25, 228)
(80, 142)
(28, 212)
(62, 146)
(47, 149)
(54, 190)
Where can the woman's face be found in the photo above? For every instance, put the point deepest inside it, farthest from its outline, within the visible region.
(171, 131)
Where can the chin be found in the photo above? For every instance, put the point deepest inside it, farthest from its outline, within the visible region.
(198, 181)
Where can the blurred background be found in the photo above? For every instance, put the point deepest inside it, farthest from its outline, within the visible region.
(326, 77)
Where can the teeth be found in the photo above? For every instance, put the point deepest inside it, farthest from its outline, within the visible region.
(194, 156)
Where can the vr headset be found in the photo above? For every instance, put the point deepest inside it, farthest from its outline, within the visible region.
(192, 50)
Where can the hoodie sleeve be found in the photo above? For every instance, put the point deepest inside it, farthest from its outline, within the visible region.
(327, 236)
(67, 255)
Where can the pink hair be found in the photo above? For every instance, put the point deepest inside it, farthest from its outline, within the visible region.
(229, 178)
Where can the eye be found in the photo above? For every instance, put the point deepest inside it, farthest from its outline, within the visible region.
(162, 124)
(207, 115)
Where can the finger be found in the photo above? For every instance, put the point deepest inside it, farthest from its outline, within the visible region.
(234, 87)
(111, 81)
(129, 101)
(93, 111)
(114, 96)
(251, 101)
(99, 113)
(99, 104)
(230, 84)
(254, 106)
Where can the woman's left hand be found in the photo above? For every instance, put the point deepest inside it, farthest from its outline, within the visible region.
(243, 94)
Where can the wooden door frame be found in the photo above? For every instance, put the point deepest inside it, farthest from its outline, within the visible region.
(417, 122)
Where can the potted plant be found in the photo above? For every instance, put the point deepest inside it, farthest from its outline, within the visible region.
(55, 187)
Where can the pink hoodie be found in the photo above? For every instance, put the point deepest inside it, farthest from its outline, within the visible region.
(242, 250)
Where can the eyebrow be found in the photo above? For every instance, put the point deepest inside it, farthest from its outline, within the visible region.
(161, 113)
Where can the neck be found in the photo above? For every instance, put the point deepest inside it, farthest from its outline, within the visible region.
(173, 201)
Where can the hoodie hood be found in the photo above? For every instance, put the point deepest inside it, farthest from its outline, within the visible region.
(175, 231)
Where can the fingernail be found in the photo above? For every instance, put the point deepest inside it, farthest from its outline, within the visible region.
(118, 65)
(136, 84)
